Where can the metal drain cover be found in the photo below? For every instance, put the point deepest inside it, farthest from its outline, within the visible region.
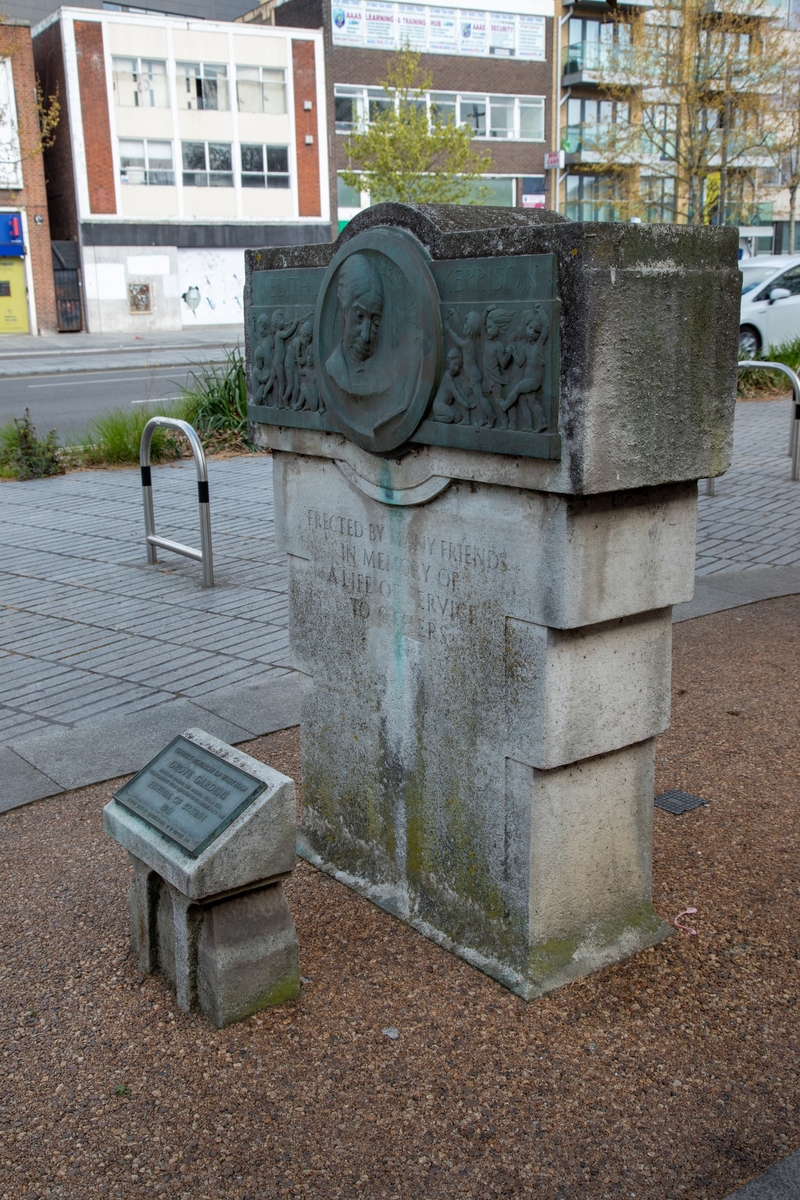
(678, 802)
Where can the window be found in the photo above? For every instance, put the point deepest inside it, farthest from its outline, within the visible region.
(658, 193)
(520, 118)
(499, 192)
(261, 89)
(140, 83)
(594, 44)
(277, 166)
(207, 164)
(347, 197)
(660, 127)
(443, 107)
(789, 279)
(378, 102)
(592, 198)
(202, 85)
(346, 102)
(146, 163)
(588, 123)
(472, 112)
(531, 120)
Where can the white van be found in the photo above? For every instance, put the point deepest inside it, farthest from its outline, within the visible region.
(770, 313)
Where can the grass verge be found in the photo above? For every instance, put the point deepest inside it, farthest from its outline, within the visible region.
(215, 403)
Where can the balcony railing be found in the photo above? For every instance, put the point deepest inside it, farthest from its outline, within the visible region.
(609, 140)
(593, 56)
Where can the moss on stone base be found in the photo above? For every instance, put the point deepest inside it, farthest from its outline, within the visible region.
(560, 960)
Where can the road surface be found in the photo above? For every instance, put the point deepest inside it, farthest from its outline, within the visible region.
(69, 402)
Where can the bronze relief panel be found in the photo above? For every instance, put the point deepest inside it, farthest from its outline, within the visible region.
(391, 348)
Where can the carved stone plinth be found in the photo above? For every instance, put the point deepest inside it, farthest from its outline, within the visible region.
(217, 924)
(482, 610)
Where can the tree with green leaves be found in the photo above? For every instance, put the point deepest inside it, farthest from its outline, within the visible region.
(410, 154)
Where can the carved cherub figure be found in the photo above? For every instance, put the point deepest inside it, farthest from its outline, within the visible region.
(295, 350)
(496, 358)
(309, 394)
(281, 332)
(263, 375)
(468, 343)
(453, 402)
(528, 351)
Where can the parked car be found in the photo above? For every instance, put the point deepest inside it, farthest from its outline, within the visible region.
(770, 312)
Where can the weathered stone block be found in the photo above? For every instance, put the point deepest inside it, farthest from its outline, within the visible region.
(574, 693)
(247, 955)
(552, 560)
(649, 319)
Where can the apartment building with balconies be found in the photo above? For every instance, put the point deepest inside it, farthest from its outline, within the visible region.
(491, 69)
(628, 127)
(182, 142)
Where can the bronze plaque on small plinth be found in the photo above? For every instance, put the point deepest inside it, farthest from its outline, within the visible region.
(189, 794)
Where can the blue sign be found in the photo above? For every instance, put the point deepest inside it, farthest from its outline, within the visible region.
(11, 243)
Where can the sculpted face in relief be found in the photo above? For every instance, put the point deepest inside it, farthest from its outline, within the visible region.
(360, 295)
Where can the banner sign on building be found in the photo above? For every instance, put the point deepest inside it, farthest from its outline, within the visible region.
(384, 25)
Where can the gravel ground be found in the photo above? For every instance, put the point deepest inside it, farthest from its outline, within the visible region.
(675, 1074)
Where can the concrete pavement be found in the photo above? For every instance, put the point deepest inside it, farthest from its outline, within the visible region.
(25, 355)
(748, 534)
(103, 658)
(781, 1182)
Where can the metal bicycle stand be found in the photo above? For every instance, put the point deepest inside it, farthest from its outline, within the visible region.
(794, 424)
(203, 555)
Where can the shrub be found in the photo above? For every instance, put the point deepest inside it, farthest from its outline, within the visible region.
(113, 438)
(755, 382)
(216, 402)
(23, 455)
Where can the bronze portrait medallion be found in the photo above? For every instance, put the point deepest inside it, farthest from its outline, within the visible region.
(377, 338)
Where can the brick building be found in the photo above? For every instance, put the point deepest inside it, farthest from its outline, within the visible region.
(491, 69)
(181, 144)
(27, 303)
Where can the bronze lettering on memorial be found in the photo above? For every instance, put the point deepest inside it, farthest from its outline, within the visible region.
(406, 350)
(189, 794)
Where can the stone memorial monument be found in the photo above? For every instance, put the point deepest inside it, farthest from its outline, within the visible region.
(487, 428)
(211, 836)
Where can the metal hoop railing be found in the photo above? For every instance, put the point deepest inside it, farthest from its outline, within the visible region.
(204, 555)
(794, 424)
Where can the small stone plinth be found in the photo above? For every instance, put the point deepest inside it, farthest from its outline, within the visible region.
(218, 925)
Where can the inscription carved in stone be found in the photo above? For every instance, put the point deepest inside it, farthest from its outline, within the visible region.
(392, 348)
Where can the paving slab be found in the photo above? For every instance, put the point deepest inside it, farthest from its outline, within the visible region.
(22, 783)
(109, 746)
(730, 589)
(781, 1182)
(265, 709)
